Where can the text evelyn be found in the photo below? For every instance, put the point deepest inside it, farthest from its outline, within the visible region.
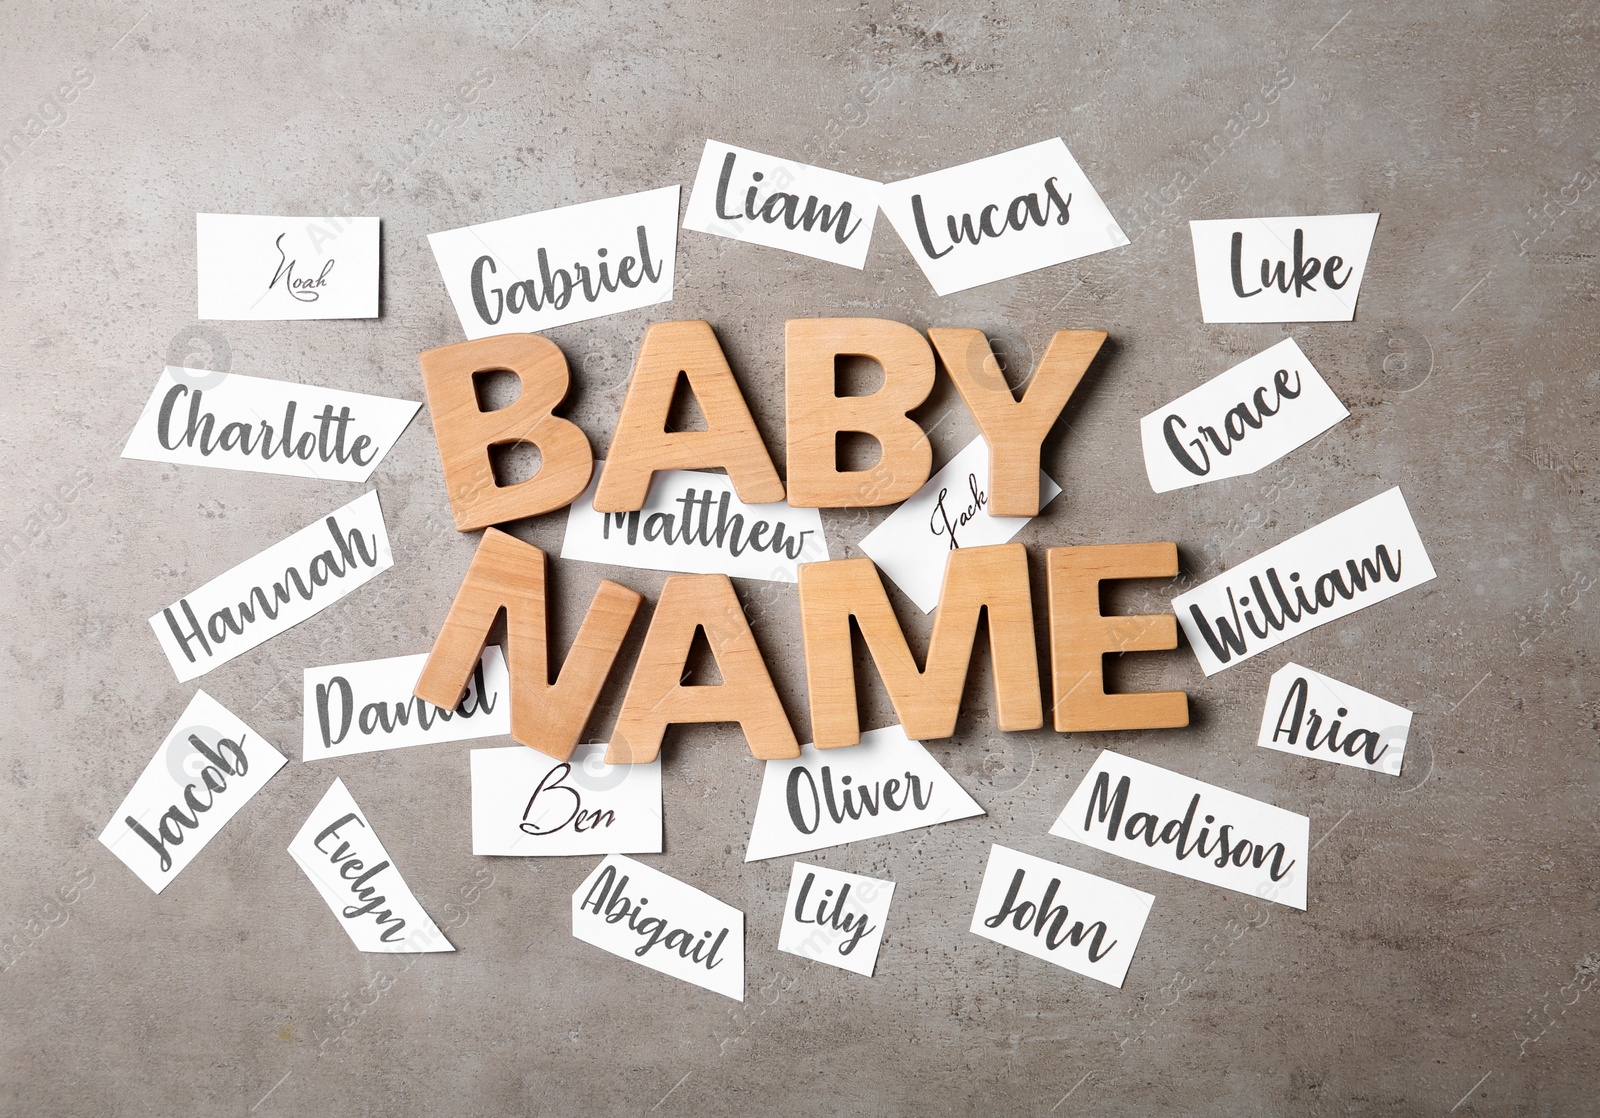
(351, 870)
(608, 898)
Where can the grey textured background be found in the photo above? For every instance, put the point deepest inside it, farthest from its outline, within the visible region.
(1446, 961)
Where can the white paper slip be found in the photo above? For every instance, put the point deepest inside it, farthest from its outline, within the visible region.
(1001, 216)
(201, 418)
(1281, 269)
(251, 267)
(641, 914)
(1160, 818)
(276, 589)
(1363, 556)
(208, 767)
(693, 521)
(835, 917)
(1313, 715)
(342, 855)
(529, 805)
(827, 797)
(759, 198)
(368, 705)
(1061, 915)
(529, 273)
(1237, 423)
(950, 511)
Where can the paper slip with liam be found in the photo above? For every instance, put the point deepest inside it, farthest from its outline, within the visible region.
(251, 267)
(835, 917)
(1281, 269)
(529, 805)
(368, 705)
(529, 273)
(1363, 556)
(950, 511)
(1160, 818)
(1061, 915)
(657, 921)
(752, 197)
(1000, 216)
(276, 589)
(342, 855)
(827, 797)
(1237, 423)
(693, 521)
(201, 418)
(1313, 715)
(208, 767)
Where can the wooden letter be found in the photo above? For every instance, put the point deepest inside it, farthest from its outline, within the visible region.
(1014, 428)
(816, 416)
(657, 698)
(642, 445)
(926, 701)
(1080, 637)
(510, 575)
(465, 433)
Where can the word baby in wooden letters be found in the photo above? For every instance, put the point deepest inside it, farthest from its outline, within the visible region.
(992, 582)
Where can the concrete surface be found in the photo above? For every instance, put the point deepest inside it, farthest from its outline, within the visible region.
(1446, 961)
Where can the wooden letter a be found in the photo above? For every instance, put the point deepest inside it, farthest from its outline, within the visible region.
(657, 697)
(976, 579)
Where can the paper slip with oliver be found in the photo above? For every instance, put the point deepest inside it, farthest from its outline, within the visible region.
(251, 267)
(643, 915)
(526, 274)
(752, 197)
(368, 705)
(200, 418)
(1061, 915)
(341, 854)
(209, 767)
(276, 589)
(827, 797)
(1000, 216)
(1163, 819)
(1363, 556)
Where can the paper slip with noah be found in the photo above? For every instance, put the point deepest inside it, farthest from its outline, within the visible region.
(255, 268)
(355, 877)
